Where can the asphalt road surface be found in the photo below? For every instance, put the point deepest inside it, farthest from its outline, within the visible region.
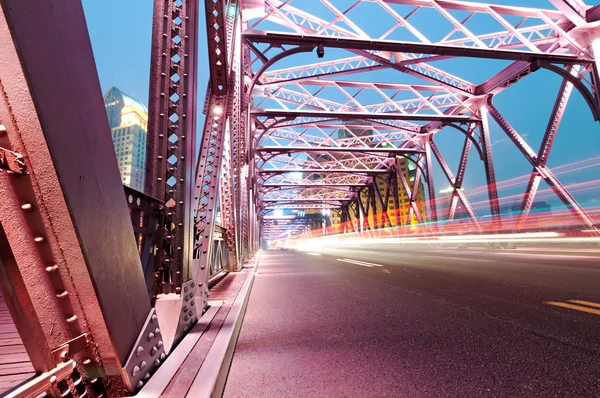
(372, 322)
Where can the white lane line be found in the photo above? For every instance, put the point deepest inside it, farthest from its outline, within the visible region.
(459, 258)
(314, 254)
(357, 262)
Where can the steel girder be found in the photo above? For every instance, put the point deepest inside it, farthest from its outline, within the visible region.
(71, 273)
(304, 118)
(171, 135)
(541, 170)
(223, 147)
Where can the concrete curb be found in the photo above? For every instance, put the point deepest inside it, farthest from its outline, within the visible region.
(210, 380)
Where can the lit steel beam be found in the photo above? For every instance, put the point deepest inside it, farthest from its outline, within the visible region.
(277, 113)
(410, 47)
(322, 171)
(320, 149)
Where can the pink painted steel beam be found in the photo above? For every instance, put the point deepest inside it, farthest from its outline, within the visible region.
(543, 171)
(171, 135)
(67, 230)
(397, 46)
(272, 113)
(217, 50)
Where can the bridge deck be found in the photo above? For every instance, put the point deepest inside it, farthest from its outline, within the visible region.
(15, 366)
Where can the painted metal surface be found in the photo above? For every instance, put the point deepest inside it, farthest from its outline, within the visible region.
(285, 129)
(172, 135)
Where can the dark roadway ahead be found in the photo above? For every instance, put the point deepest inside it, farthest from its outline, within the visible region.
(422, 323)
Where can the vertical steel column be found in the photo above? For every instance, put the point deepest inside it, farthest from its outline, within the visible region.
(488, 162)
(384, 217)
(429, 179)
(396, 192)
(365, 211)
(171, 133)
(210, 161)
(412, 193)
(230, 168)
(372, 204)
(208, 173)
(228, 201)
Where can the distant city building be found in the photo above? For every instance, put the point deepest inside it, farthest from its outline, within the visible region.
(444, 201)
(128, 120)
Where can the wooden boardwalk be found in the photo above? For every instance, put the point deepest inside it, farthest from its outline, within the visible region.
(15, 366)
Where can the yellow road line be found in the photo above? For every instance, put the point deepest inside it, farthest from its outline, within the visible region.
(588, 303)
(574, 307)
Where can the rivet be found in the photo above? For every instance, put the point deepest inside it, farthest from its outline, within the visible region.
(147, 376)
(52, 268)
(185, 308)
(139, 351)
(26, 206)
(159, 344)
(162, 356)
(2, 129)
(153, 351)
(143, 365)
(140, 383)
(72, 319)
(157, 331)
(154, 317)
(53, 380)
(38, 239)
(186, 318)
(87, 362)
(150, 336)
(157, 362)
(62, 294)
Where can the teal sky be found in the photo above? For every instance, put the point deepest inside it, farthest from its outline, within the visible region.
(120, 32)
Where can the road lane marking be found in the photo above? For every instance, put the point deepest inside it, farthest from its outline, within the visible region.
(459, 258)
(574, 307)
(314, 254)
(588, 303)
(357, 262)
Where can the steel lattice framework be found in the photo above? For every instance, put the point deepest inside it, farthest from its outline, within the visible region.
(306, 109)
(323, 131)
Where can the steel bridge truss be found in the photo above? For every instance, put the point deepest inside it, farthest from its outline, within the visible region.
(302, 112)
(325, 132)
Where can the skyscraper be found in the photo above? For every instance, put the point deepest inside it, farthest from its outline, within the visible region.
(128, 120)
